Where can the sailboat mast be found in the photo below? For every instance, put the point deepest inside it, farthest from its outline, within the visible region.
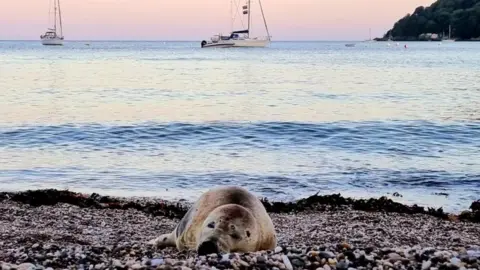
(55, 16)
(449, 31)
(249, 16)
(264, 20)
(60, 17)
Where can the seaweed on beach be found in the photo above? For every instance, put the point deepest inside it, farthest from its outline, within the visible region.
(475, 206)
(382, 204)
(473, 215)
(177, 210)
(53, 196)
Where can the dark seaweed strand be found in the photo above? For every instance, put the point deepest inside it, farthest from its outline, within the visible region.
(176, 210)
(52, 196)
(382, 204)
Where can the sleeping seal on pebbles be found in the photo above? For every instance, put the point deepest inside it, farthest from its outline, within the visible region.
(223, 220)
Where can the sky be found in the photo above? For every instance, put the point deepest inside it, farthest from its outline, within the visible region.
(200, 19)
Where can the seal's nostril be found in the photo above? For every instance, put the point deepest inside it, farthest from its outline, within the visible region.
(207, 247)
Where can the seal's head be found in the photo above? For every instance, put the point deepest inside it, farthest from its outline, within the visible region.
(229, 228)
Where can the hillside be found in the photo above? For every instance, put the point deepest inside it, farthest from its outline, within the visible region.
(462, 15)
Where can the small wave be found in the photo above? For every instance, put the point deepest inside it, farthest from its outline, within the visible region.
(396, 138)
(268, 184)
(409, 178)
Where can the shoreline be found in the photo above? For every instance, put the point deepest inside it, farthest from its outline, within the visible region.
(54, 229)
(176, 209)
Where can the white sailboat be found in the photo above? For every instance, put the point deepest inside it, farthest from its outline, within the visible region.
(240, 38)
(370, 36)
(449, 35)
(51, 36)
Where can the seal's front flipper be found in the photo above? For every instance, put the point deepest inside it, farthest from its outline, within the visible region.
(164, 240)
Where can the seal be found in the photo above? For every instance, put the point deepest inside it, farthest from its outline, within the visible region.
(224, 219)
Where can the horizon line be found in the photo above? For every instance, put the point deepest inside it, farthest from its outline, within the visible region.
(173, 40)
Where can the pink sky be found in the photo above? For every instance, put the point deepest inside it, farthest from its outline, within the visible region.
(199, 19)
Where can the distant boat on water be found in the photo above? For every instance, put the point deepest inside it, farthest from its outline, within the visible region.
(449, 35)
(369, 36)
(240, 38)
(51, 36)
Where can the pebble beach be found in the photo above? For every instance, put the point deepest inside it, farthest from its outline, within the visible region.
(67, 236)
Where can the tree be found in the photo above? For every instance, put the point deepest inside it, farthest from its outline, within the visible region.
(432, 27)
(419, 11)
(460, 23)
(442, 17)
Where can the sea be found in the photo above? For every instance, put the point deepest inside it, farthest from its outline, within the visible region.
(171, 120)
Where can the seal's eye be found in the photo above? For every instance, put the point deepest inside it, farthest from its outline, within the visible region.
(235, 236)
(248, 233)
(211, 225)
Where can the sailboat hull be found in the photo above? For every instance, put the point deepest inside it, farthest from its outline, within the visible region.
(251, 43)
(242, 43)
(52, 42)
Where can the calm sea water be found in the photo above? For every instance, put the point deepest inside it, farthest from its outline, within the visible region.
(170, 119)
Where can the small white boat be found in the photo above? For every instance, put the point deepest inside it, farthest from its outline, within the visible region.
(369, 40)
(51, 37)
(449, 35)
(240, 38)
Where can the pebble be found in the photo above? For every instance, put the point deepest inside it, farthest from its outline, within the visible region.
(342, 265)
(394, 257)
(137, 266)
(426, 265)
(332, 261)
(243, 263)
(473, 253)
(117, 263)
(455, 261)
(155, 262)
(326, 254)
(261, 259)
(26, 266)
(286, 262)
(5, 266)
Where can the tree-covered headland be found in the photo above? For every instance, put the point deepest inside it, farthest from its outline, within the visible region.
(460, 18)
